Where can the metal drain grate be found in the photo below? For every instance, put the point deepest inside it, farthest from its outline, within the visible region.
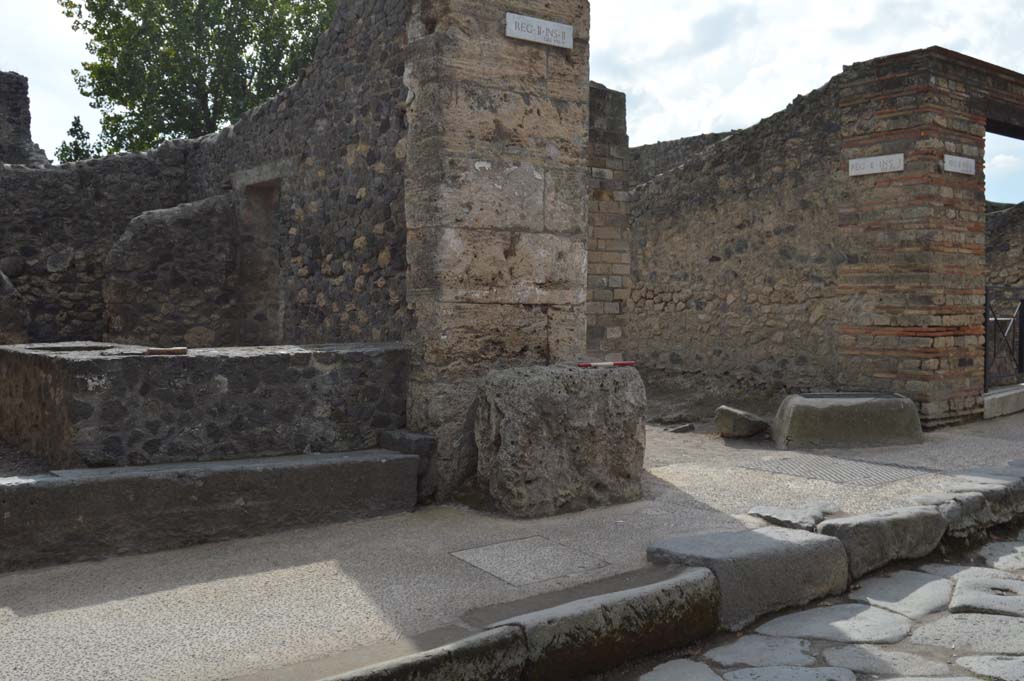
(827, 468)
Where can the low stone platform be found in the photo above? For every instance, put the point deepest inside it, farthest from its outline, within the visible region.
(74, 515)
(823, 420)
(95, 404)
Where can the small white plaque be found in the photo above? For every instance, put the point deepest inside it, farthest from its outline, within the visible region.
(960, 164)
(538, 30)
(893, 163)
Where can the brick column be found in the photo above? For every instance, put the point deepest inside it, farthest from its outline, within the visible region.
(608, 269)
(914, 289)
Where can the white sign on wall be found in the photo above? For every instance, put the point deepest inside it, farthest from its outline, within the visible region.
(960, 164)
(893, 163)
(538, 30)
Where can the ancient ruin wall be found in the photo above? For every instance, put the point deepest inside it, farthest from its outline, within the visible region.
(58, 224)
(1004, 247)
(735, 250)
(332, 148)
(16, 146)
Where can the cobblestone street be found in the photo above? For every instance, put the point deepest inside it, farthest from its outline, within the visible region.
(954, 621)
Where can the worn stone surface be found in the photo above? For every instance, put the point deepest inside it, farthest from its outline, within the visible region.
(754, 650)
(498, 654)
(804, 517)
(911, 594)
(736, 423)
(841, 623)
(92, 513)
(989, 596)
(558, 439)
(874, 540)
(598, 633)
(957, 572)
(681, 670)
(1008, 556)
(761, 570)
(846, 420)
(1002, 668)
(13, 314)
(971, 633)
(101, 405)
(419, 444)
(871, 659)
(16, 145)
(791, 674)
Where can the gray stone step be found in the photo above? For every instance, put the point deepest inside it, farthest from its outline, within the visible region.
(73, 515)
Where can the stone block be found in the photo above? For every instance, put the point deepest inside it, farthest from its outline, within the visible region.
(735, 423)
(90, 513)
(989, 596)
(821, 420)
(100, 405)
(761, 571)
(558, 439)
(13, 314)
(601, 632)
(876, 539)
(418, 444)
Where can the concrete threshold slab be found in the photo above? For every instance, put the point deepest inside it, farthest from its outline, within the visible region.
(1004, 401)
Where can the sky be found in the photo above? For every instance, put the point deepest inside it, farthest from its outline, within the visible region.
(687, 66)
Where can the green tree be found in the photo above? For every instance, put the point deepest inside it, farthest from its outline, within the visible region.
(166, 69)
(79, 145)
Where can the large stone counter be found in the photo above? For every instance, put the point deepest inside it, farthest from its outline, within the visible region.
(93, 404)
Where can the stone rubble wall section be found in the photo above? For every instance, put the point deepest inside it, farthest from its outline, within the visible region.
(1004, 256)
(735, 256)
(608, 280)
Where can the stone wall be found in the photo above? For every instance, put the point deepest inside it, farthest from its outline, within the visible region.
(333, 145)
(1004, 247)
(496, 200)
(735, 253)
(58, 224)
(608, 280)
(16, 146)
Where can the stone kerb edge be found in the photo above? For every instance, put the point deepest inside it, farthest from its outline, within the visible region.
(569, 640)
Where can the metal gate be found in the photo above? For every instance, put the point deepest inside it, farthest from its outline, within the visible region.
(1004, 336)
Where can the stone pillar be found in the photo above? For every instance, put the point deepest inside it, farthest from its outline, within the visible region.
(496, 206)
(16, 144)
(608, 276)
(914, 286)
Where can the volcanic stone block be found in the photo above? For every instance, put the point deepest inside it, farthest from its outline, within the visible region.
(846, 420)
(90, 513)
(101, 405)
(735, 423)
(876, 539)
(761, 571)
(559, 439)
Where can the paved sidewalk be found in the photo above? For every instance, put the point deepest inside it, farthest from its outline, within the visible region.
(236, 608)
(958, 621)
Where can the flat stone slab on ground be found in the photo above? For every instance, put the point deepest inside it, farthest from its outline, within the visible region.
(869, 659)
(841, 623)
(1004, 555)
(681, 670)
(957, 572)
(986, 634)
(762, 570)
(525, 561)
(876, 539)
(754, 650)
(1004, 668)
(823, 420)
(804, 517)
(791, 674)
(911, 594)
(989, 596)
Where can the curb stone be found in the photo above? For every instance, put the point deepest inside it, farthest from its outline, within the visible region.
(874, 540)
